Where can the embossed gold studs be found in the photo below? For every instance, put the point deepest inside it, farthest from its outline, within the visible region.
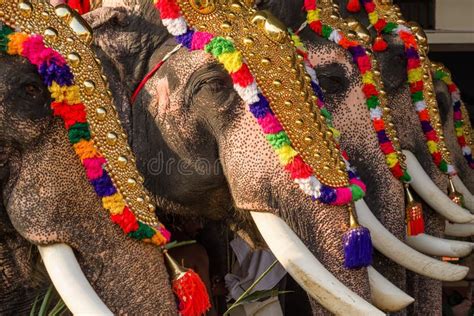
(203, 6)
(101, 113)
(248, 40)
(89, 86)
(122, 160)
(64, 12)
(226, 26)
(74, 59)
(112, 138)
(51, 34)
(266, 61)
(25, 8)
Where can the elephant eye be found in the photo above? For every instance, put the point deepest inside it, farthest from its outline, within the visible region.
(32, 90)
(331, 84)
(332, 78)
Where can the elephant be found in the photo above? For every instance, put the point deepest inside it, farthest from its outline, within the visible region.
(48, 200)
(386, 197)
(37, 151)
(203, 121)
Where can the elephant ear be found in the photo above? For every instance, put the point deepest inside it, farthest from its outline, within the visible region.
(443, 98)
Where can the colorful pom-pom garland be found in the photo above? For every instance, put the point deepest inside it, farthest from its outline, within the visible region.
(415, 80)
(67, 104)
(459, 119)
(364, 64)
(245, 85)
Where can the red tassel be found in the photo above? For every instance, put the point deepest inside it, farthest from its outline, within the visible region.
(189, 288)
(192, 294)
(414, 215)
(380, 44)
(353, 6)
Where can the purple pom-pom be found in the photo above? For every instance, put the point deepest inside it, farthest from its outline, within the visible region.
(426, 126)
(260, 108)
(382, 137)
(103, 186)
(412, 53)
(357, 248)
(186, 38)
(50, 72)
(328, 195)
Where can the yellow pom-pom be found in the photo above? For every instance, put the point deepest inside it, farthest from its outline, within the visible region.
(373, 17)
(114, 203)
(286, 154)
(414, 75)
(391, 159)
(313, 15)
(459, 131)
(432, 146)
(231, 61)
(368, 78)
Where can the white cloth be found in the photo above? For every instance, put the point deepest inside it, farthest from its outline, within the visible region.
(249, 266)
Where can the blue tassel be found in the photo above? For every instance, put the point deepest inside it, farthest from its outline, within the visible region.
(357, 246)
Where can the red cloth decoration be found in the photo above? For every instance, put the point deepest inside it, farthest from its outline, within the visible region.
(81, 6)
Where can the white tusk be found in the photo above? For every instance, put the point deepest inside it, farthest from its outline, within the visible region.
(459, 230)
(402, 254)
(307, 270)
(432, 195)
(70, 282)
(468, 197)
(440, 247)
(385, 295)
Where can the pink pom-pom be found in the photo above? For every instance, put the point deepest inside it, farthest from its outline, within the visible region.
(200, 39)
(270, 124)
(93, 167)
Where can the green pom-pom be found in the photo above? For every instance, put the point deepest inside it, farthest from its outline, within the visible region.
(357, 192)
(4, 32)
(438, 75)
(326, 114)
(458, 124)
(79, 131)
(278, 140)
(443, 166)
(326, 31)
(218, 46)
(143, 232)
(389, 27)
(406, 177)
(417, 96)
(373, 102)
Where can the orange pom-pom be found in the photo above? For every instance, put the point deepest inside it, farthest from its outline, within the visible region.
(380, 44)
(353, 6)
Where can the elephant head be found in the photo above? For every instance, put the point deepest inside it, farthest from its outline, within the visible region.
(49, 200)
(449, 102)
(205, 156)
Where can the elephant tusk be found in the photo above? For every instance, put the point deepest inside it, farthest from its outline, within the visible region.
(440, 247)
(399, 252)
(432, 195)
(385, 295)
(307, 270)
(468, 197)
(70, 282)
(459, 230)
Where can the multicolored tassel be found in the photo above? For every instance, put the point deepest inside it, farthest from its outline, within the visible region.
(454, 195)
(189, 288)
(414, 214)
(357, 245)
